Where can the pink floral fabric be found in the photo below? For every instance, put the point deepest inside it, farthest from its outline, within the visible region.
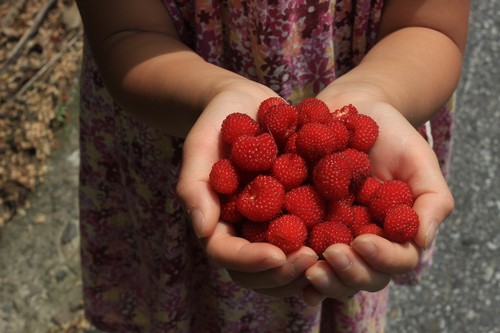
(143, 270)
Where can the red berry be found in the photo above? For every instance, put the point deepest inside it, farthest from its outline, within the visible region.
(236, 125)
(224, 177)
(332, 176)
(363, 131)
(254, 232)
(314, 141)
(290, 170)
(364, 191)
(362, 217)
(312, 110)
(341, 211)
(389, 195)
(291, 144)
(342, 113)
(254, 153)
(287, 232)
(340, 133)
(229, 209)
(361, 165)
(328, 233)
(281, 121)
(306, 203)
(266, 105)
(401, 224)
(262, 199)
(371, 228)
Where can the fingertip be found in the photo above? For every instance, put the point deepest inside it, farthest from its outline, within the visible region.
(198, 221)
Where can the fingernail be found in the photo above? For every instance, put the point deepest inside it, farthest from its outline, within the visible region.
(430, 234)
(365, 248)
(319, 279)
(273, 262)
(303, 262)
(198, 220)
(338, 259)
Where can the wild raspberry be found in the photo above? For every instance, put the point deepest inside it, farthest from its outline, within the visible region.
(332, 176)
(361, 165)
(281, 121)
(312, 110)
(328, 233)
(371, 228)
(389, 195)
(306, 203)
(401, 224)
(342, 113)
(254, 232)
(341, 211)
(340, 133)
(266, 104)
(287, 232)
(236, 125)
(363, 131)
(364, 191)
(291, 144)
(224, 177)
(315, 141)
(361, 217)
(290, 170)
(229, 209)
(254, 153)
(261, 200)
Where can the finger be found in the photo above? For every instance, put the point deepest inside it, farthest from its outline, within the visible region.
(236, 253)
(311, 296)
(386, 256)
(434, 201)
(353, 271)
(324, 280)
(432, 210)
(291, 270)
(293, 288)
(193, 189)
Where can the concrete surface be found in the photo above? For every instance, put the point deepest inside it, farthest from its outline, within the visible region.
(39, 264)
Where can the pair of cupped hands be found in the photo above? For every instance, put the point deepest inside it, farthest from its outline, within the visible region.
(369, 262)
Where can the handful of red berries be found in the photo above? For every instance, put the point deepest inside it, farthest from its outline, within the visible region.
(301, 175)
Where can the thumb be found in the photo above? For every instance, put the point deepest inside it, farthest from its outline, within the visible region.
(202, 204)
(434, 201)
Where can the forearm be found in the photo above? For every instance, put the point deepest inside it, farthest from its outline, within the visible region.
(164, 84)
(414, 69)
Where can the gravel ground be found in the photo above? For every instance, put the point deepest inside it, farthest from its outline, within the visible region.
(39, 279)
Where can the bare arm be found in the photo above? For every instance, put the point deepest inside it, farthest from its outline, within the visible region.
(416, 64)
(145, 66)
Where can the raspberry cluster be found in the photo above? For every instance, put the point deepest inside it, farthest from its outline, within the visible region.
(301, 175)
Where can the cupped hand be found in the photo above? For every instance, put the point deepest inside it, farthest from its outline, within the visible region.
(258, 266)
(370, 261)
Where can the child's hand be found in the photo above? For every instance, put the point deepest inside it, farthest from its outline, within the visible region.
(399, 153)
(257, 266)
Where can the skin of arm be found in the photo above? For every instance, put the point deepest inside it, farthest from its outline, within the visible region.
(148, 70)
(401, 82)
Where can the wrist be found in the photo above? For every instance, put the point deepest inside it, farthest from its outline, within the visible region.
(367, 98)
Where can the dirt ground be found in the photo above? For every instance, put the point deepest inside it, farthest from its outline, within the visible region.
(40, 47)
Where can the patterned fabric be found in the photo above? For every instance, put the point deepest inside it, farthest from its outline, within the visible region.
(143, 270)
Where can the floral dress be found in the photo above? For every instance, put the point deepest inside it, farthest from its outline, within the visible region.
(143, 270)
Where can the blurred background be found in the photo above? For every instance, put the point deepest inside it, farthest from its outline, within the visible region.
(39, 261)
